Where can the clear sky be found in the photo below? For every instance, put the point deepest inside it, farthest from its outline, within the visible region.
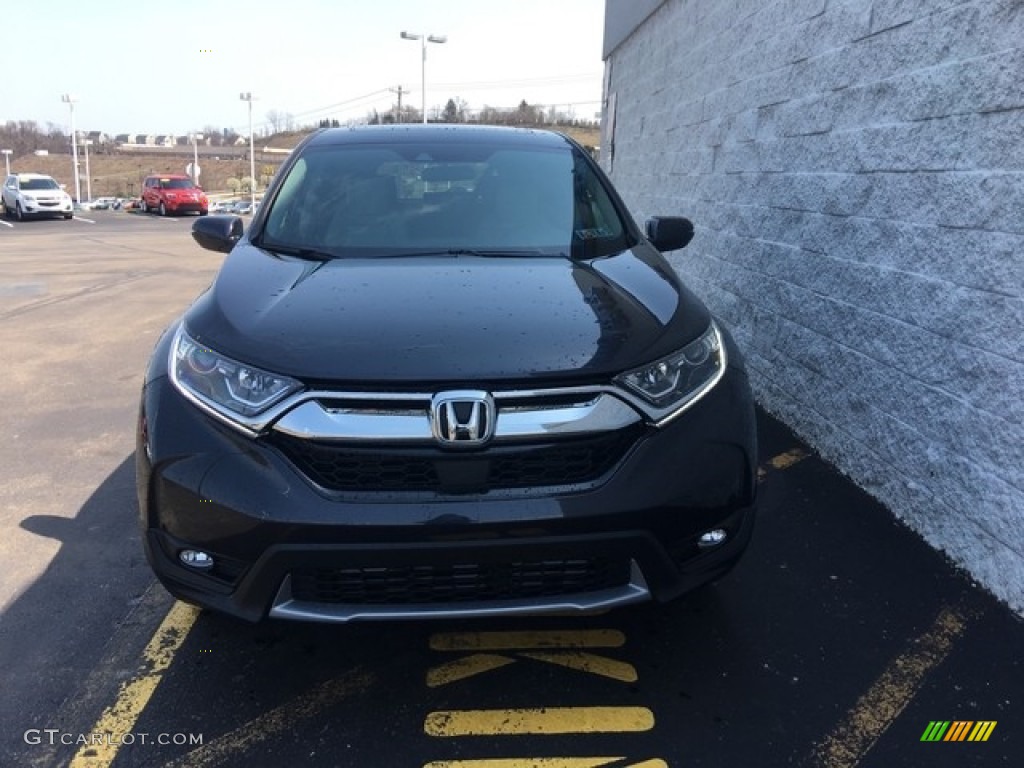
(152, 67)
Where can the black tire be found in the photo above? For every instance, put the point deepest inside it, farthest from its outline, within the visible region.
(163, 209)
(68, 216)
(18, 213)
(142, 206)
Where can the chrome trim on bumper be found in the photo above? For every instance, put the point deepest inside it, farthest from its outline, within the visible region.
(635, 591)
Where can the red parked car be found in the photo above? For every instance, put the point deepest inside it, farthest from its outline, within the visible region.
(172, 194)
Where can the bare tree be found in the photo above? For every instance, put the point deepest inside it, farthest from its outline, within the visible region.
(213, 135)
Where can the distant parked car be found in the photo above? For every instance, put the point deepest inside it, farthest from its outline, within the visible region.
(222, 206)
(171, 194)
(242, 208)
(33, 194)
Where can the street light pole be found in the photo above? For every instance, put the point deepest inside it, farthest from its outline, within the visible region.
(88, 176)
(247, 96)
(196, 138)
(70, 100)
(424, 39)
(7, 158)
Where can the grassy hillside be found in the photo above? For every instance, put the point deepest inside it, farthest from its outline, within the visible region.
(121, 174)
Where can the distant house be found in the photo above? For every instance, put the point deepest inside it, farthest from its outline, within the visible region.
(145, 138)
(98, 137)
(123, 138)
(241, 141)
(165, 140)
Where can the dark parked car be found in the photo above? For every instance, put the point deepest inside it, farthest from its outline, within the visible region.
(443, 373)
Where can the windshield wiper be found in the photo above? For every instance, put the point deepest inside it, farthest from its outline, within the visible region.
(487, 253)
(311, 254)
(495, 252)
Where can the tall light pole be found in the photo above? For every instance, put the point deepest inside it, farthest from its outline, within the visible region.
(70, 100)
(7, 158)
(424, 39)
(88, 176)
(247, 96)
(196, 138)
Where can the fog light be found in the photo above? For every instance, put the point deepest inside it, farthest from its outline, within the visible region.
(712, 538)
(193, 558)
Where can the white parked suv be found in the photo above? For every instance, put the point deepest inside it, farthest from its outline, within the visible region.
(33, 194)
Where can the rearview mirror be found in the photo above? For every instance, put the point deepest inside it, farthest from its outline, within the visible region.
(218, 233)
(669, 233)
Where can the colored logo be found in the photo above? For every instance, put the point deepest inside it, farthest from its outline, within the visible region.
(958, 730)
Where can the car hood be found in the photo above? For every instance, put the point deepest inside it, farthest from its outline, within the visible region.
(446, 318)
(187, 193)
(44, 194)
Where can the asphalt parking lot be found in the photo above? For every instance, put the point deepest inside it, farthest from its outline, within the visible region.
(841, 640)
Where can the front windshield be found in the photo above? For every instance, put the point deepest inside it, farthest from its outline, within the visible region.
(36, 184)
(371, 200)
(176, 183)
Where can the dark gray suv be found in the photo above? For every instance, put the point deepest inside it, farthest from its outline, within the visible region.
(443, 373)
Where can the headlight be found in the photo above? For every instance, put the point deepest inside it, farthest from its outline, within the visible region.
(226, 386)
(669, 386)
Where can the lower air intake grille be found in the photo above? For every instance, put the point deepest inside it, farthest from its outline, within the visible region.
(339, 467)
(463, 582)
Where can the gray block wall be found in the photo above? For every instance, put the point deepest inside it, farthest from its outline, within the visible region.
(855, 171)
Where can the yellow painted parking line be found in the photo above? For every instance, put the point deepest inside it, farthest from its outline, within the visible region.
(232, 748)
(460, 669)
(877, 709)
(478, 663)
(787, 459)
(507, 641)
(781, 461)
(588, 662)
(120, 717)
(547, 762)
(541, 720)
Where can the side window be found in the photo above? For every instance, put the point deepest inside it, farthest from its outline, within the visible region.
(598, 228)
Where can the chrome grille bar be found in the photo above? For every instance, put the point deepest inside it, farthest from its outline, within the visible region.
(371, 421)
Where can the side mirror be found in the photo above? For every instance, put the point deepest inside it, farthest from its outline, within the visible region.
(218, 233)
(669, 233)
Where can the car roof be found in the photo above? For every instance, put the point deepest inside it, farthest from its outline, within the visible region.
(31, 175)
(414, 133)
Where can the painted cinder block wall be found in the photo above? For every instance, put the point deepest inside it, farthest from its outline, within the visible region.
(855, 171)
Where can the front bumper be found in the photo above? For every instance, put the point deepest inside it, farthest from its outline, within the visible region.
(284, 547)
(186, 206)
(42, 207)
